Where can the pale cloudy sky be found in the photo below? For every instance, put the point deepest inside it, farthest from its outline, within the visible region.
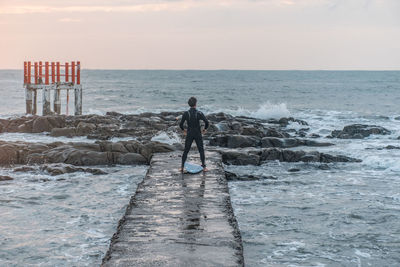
(203, 34)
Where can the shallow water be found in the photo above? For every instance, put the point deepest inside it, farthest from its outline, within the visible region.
(63, 220)
(347, 215)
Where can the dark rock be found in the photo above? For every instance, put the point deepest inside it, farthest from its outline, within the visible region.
(314, 135)
(285, 121)
(85, 128)
(219, 140)
(359, 131)
(254, 157)
(279, 142)
(46, 123)
(5, 178)
(131, 159)
(392, 147)
(68, 132)
(24, 169)
(217, 117)
(61, 168)
(316, 144)
(8, 154)
(289, 142)
(324, 167)
(239, 158)
(235, 141)
(81, 154)
(230, 176)
(250, 130)
(294, 170)
(272, 132)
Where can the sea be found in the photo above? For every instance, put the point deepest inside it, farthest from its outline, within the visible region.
(347, 214)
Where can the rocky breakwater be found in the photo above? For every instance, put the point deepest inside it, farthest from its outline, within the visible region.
(80, 154)
(142, 126)
(241, 140)
(249, 141)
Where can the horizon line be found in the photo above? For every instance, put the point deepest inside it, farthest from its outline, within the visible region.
(223, 69)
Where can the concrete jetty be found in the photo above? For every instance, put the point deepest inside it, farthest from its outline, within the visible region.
(178, 219)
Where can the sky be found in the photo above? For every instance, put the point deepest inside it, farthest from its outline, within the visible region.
(203, 34)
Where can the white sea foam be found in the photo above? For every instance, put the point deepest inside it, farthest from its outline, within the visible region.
(168, 138)
(265, 110)
(41, 137)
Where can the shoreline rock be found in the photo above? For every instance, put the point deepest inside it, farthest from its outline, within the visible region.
(80, 154)
(256, 157)
(359, 131)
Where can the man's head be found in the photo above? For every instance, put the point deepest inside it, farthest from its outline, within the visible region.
(192, 102)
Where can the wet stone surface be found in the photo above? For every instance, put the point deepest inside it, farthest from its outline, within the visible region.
(178, 219)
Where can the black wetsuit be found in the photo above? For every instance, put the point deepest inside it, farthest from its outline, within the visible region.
(193, 117)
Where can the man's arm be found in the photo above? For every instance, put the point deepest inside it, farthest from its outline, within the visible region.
(202, 117)
(182, 121)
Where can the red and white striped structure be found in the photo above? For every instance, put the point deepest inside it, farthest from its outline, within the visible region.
(52, 76)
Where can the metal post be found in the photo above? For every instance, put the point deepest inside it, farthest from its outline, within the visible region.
(29, 72)
(78, 100)
(58, 72)
(46, 72)
(40, 72)
(53, 72)
(36, 73)
(66, 72)
(78, 72)
(25, 72)
(73, 71)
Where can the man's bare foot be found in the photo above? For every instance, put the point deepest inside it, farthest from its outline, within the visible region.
(205, 169)
(181, 170)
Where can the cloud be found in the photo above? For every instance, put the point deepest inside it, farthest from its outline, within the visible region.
(69, 20)
(166, 6)
(149, 6)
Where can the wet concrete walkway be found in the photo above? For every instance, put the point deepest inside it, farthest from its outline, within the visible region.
(178, 220)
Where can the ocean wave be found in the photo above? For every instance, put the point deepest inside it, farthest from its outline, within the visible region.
(265, 110)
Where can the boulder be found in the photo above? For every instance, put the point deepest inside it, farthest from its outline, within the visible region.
(68, 132)
(359, 131)
(61, 168)
(5, 178)
(240, 158)
(230, 176)
(253, 131)
(24, 169)
(131, 159)
(272, 132)
(279, 142)
(84, 128)
(235, 141)
(8, 154)
(41, 124)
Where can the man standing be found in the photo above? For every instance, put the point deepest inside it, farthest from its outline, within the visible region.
(193, 132)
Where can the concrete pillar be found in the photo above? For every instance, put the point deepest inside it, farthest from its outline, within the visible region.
(28, 100)
(78, 100)
(46, 101)
(57, 101)
(34, 111)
